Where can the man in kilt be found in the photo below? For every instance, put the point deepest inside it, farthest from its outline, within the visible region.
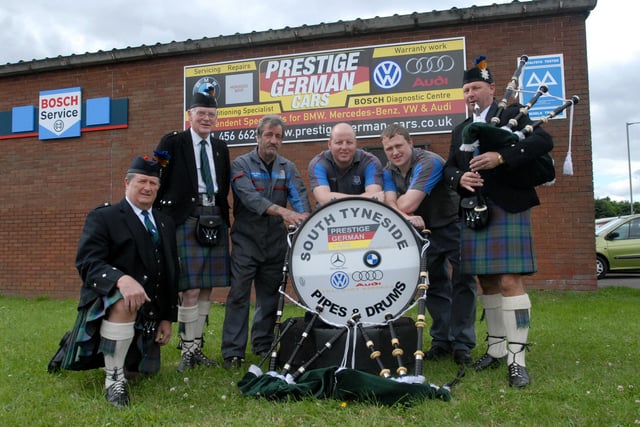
(128, 263)
(194, 190)
(502, 253)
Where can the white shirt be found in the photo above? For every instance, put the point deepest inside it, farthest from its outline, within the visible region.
(138, 212)
(202, 187)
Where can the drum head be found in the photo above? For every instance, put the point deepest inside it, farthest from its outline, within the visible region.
(355, 256)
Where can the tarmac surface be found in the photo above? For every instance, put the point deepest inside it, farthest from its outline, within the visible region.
(627, 280)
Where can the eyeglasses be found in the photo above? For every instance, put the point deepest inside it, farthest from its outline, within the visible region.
(202, 114)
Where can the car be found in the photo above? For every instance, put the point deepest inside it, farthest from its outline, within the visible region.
(618, 245)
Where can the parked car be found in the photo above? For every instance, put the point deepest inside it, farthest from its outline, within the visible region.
(618, 245)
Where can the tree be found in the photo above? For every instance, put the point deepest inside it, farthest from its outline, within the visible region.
(606, 207)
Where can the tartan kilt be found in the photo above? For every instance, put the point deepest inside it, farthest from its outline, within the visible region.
(504, 246)
(201, 266)
(86, 347)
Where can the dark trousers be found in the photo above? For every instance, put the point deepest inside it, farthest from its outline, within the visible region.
(451, 297)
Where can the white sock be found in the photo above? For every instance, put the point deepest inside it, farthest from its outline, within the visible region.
(517, 311)
(203, 312)
(122, 334)
(189, 317)
(492, 305)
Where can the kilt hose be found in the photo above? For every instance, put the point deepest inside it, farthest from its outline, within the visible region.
(86, 348)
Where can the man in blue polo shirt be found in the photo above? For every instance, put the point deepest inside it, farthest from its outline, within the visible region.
(345, 170)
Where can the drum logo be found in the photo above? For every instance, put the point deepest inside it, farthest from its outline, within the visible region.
(372, 259)
(351, 237)
(338, 260)
(339, 280)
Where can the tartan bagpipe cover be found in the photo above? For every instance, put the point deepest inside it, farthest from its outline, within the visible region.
(338, 383)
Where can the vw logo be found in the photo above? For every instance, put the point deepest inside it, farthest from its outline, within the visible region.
(368, 275)
(429, 64)
(339, 280)
(372, 259)
(387, 74)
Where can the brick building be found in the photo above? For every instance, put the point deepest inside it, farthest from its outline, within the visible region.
(48, 186)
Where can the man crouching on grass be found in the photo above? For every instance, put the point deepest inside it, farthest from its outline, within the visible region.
(127, 259)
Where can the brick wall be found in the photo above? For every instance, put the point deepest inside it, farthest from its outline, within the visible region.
(47, 187)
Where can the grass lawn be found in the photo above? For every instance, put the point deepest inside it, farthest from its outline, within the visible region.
(584, 364)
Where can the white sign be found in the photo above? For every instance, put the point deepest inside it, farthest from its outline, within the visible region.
(547, 70)
(60, 113)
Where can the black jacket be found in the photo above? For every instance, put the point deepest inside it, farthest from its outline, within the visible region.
(501, 184)
(178, 194)
(114, 242)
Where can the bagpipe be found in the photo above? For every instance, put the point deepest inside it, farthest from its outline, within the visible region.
(491, 136)
(355, 279)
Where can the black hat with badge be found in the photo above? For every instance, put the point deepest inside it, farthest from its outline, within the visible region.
(479, 73)
(206, 99)
(150, 167)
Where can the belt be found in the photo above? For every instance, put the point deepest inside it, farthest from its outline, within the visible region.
(206, 210)
(205, 200)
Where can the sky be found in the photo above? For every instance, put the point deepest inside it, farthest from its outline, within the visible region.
(38, 29)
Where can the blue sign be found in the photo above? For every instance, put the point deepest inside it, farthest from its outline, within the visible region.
(545, 70)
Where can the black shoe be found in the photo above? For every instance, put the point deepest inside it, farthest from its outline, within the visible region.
(462, 357)
(188, 361)
(436, 353)
(488, 361)
(118, 395)
(233, 362)
(199, 358)
(518, 376)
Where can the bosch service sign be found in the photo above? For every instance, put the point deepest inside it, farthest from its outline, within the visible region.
(416, 84)
(60, 113)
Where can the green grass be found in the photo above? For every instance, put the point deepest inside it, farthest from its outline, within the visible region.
(584, 363)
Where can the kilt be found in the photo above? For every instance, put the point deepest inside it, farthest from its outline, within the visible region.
(87, 348)
(201, 266)
(504, 246)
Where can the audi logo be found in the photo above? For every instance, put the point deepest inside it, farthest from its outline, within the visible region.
(429, 64)
(367, 275)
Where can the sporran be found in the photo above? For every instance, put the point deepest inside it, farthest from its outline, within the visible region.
(475, 212)
(208, 229)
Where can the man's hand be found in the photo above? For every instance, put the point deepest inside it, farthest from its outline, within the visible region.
(294, 218)
(471, 180)
(416, 221)
(164, 332)
(132, 292)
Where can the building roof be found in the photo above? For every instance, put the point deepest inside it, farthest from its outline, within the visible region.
(413, 21)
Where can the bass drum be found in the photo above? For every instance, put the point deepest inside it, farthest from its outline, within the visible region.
(355, 255)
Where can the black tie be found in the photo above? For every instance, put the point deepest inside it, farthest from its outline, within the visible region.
(206, 169)
(153, 232)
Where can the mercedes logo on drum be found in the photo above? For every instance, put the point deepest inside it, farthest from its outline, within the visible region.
(339, 280)
(338, 260)
(372, 259)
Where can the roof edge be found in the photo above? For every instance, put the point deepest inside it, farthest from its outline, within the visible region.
(415, 20)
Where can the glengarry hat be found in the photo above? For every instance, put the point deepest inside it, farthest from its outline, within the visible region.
(205, 99)
(479, 73)
(149, 167)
